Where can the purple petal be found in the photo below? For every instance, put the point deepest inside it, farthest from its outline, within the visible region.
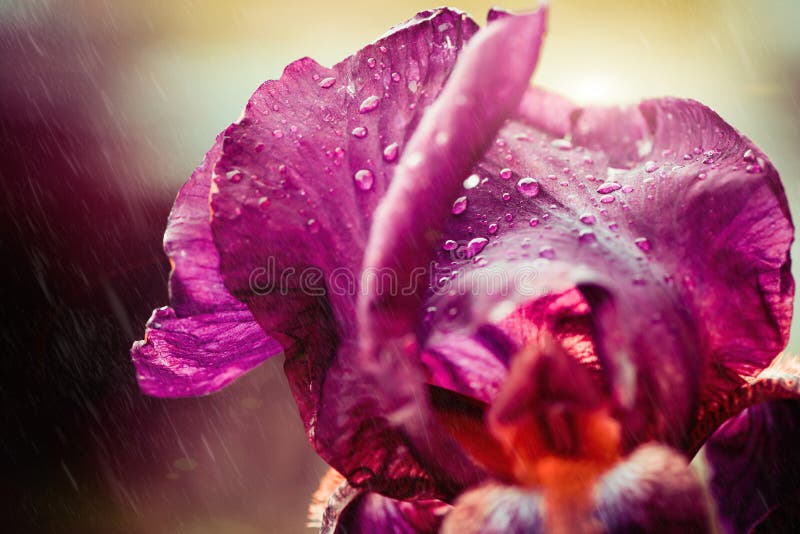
(206, 339)
(687, 269)
(496, 509)
(652, 490)
(484, 89)
(372, 512)
(198, 354)
(337, 506)
(753, 456)
(292, 194)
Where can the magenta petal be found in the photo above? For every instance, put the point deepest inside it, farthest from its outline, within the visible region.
(483, 91)
(206, 339)
(372, 512)
(199, 354)
(496, 509)
(684, 262)
(652, 490)
(296, 185)
(755, 464)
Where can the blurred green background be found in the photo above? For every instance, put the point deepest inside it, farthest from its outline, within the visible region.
(123, 98)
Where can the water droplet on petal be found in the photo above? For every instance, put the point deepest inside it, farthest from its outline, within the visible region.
(749, 155)
(327, 82)
(608, 187)
(371, 62)
(359, 132)
(312, 225)
(396, 76)
(277, 133)
(364, 179)
(390, 152)
(459, 206)
(561, 144)
(506, 173)
(607, 199)
(475, 246)
(586, 236)
(753, 168)
(588, 218)
(368, 104)
(506, 197)
(650, 166)
(450, 245)
(643, 243)
(534, 222)
(627, 189)
(263, 203)
(493, 229)
(528, 187)
(547, 252)
(509, 217)
(472, 181)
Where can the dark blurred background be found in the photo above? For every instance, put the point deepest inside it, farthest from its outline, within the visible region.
(106, 107)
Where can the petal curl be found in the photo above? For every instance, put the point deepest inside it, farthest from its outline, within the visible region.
(207, 338)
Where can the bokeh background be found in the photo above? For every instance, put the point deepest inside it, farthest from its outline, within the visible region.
(105, 108)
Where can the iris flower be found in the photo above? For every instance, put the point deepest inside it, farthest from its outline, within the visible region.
(500, 311)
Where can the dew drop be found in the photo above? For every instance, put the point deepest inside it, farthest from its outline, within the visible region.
(753, 168)
(459, 206)
(472, 181)
(561, 144)
(528, 187)
(277, 134)
(547, 252)
(506, 173)
(534, 222)
(364, 179)
(325, 83)
(586, 236)
(263, 203)
(312, 225)
(368, 104)
(608, 187)
(359, 132)
(643, 243)
(627, 189)
(607, 199)
(371, 62)
(588, 219)
(493, 229)
(475, 246)
(506, 197)
(650, 166)
(450, 245)
(390, 152)
(395, 76)
(749, 155)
